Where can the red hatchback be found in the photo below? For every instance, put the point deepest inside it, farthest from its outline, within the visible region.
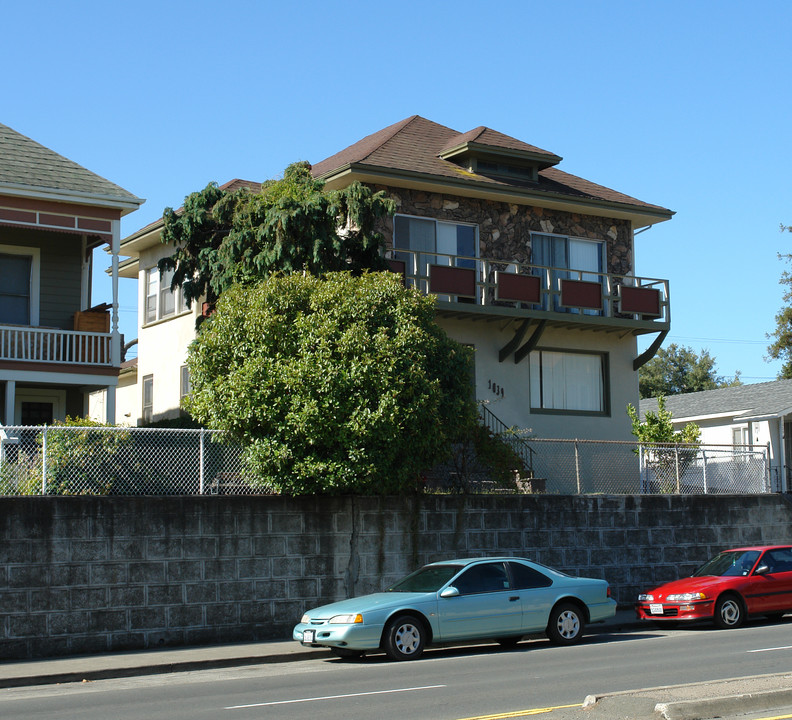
(728, 588)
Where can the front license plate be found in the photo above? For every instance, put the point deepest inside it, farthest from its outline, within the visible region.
(656, 609)
(309, 636)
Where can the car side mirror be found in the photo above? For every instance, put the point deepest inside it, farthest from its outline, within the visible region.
(761, 570)
(449, 592)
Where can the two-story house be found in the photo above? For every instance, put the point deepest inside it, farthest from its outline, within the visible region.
(531, 266)
(56, 344)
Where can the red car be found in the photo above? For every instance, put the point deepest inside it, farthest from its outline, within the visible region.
(734, 584)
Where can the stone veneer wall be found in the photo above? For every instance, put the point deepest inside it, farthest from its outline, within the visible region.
(504, 228)
(90, 574)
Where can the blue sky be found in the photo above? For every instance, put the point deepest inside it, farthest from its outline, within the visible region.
(681, 104)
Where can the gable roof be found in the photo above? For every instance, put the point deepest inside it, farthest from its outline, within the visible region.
(760, 400)
(27, 168)
(413, 148)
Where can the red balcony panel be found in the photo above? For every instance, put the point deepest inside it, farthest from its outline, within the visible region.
(645, 301)
(581, 294)
(445, 280)
(519, 288)
(399, 267)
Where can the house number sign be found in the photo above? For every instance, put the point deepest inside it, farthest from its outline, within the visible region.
(496, 388)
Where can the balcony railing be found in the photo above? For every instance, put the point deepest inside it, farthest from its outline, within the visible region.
(499, 283)
(50, 345)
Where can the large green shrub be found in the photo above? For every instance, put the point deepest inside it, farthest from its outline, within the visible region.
(339, 384)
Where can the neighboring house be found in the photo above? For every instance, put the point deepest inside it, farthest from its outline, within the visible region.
(166, 327)
(758, 415)
(531, 266)
(56, 344)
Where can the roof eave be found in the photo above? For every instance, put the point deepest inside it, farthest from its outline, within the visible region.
(126, 204)
(640, 216)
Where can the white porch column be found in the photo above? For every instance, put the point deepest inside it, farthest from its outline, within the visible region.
(115, 247)
(10, 399)
(110, 405)
(85, 281)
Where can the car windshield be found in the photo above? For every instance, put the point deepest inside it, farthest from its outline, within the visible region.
(729, 563)
(428, 579)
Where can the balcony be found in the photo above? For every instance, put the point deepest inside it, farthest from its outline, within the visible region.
(483, 287)
(19, 343)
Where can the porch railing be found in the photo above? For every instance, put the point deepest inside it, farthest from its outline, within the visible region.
(483, 281)
(51, 345)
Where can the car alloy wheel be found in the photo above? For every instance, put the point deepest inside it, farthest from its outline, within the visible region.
(404, 638)
(566, 624)
(729, 612)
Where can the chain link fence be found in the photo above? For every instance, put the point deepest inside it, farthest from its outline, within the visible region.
(595, 466)
(65, 460)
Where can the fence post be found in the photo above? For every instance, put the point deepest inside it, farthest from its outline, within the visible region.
(201, 463)
(768, 483)
(577, 467)
(704, 468)
(44, 461)
(676, 464)
(642, 469)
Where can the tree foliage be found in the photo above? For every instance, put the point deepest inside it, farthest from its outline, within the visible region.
(293, 224)
(781, 345)
(344, 384)
(658, 428)
(676, 370)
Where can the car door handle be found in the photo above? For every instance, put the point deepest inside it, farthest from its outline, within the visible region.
(513, 598)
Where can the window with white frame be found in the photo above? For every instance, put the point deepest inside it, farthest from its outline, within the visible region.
(148, 398)
(569, 381)
(19, 285)
(456, 243)
(162, 302)
(568, 253)
(185, 384)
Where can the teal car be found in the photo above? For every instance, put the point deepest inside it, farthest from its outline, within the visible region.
(456, 601)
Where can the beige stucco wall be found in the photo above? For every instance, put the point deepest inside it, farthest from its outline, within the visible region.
(512, 405)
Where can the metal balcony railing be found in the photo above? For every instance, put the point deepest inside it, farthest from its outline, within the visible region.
(483, 281)
(49, 345)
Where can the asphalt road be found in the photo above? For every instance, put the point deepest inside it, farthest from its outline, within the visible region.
(446, 684)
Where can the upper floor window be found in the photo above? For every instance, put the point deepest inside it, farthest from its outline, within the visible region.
(15, 289)
(568, 253)
(19, 285)
(435, 242)
(161, 301)
(569, 381)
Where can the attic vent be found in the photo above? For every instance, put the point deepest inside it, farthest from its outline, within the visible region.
(524, 172)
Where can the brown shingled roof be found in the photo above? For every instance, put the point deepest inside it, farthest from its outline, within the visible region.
(414, 146)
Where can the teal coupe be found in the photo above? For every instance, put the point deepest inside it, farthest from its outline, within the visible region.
(456, 601)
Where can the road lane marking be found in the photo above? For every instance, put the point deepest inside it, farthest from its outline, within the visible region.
(783, 647)
(776, 717)
(335, 697)
(522, 713)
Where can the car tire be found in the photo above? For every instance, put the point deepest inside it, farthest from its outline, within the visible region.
(729, 612)
(509, 642)
(404, 638)
(566, 624)
(346, 653)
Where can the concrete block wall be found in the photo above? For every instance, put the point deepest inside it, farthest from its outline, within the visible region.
(92, 574)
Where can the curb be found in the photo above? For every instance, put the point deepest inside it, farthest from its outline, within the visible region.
(153, 668)
(708, 707)
(723, 706)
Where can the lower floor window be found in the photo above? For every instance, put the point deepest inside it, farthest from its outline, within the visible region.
(568, 381)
